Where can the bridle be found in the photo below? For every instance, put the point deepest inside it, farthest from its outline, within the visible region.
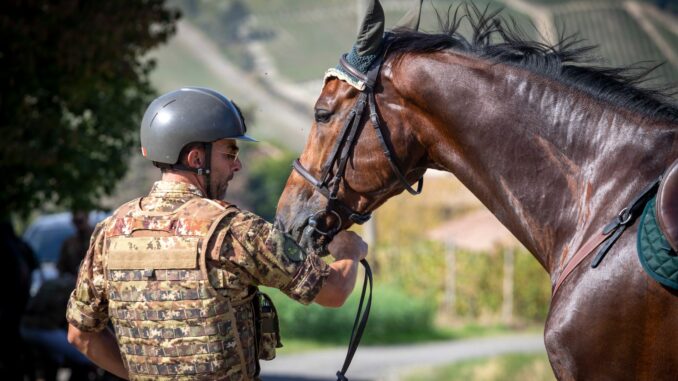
(328, 185)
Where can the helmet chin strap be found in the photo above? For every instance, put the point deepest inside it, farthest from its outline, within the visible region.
(205, 170)
(208, 170)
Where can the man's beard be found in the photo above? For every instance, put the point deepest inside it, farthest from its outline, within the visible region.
(220, 194)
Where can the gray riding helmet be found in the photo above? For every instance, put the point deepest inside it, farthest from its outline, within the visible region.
(188, 115)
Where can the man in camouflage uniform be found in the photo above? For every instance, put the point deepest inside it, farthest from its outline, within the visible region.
(177, 272)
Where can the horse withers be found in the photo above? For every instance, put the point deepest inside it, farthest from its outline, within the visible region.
(553, 148)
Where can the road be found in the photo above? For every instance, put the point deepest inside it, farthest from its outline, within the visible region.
(389, 363)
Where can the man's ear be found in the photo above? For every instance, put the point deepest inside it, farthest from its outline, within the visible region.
(195, 157)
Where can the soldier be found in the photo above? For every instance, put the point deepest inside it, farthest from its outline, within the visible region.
(177, 271)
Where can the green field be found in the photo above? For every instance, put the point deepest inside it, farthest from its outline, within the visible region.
(523, 367)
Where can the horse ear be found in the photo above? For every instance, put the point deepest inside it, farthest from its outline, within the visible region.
(371, 30)
(411, 18)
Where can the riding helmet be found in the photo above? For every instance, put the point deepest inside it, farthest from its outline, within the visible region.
(188, 115)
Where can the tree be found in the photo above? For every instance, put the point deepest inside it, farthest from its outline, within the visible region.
(74, 84)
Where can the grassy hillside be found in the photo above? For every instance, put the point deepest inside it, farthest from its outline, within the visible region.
(302, 38)
(306, 42)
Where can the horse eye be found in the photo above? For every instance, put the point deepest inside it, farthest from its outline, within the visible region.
(322, 116)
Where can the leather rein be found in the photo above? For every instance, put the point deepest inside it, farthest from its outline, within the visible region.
(334, 168)
(328, 185)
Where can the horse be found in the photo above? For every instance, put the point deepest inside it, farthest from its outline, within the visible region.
(554, 148)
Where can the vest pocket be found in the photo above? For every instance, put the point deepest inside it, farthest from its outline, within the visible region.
(267, 327)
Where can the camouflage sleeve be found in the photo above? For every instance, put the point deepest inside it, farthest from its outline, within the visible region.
(273, 259)
(87, 307)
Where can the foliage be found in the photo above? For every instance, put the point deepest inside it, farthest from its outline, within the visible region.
(418, 267)
(420, 270)
(395, 317)
(74, 84)
(265, 182)
(532, 292)
(478, 281)
(525, 367)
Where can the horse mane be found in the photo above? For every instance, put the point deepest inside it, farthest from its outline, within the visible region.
(567, 61)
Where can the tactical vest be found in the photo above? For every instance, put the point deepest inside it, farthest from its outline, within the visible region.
(169, 320)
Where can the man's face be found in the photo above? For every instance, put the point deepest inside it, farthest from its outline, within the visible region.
(224, 164)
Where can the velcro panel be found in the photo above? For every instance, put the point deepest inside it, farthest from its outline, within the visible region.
(137, 253)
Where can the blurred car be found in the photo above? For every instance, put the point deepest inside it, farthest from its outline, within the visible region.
(46, 235)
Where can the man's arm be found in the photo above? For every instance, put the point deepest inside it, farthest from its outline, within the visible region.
(100, 347)
(348, 249)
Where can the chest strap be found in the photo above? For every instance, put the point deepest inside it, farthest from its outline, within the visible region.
(610, 233)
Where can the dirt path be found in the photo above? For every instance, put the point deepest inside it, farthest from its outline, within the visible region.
(390, 363)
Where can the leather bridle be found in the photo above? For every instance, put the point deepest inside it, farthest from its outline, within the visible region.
(336, 162)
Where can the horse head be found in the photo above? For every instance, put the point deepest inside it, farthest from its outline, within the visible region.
(360, 151)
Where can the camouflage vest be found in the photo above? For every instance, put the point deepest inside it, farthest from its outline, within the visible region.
(169, 320)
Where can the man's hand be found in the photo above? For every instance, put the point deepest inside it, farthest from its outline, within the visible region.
(348, 245)
(348, 249)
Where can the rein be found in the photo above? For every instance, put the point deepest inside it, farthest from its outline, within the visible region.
(359, 323)
(328, 185)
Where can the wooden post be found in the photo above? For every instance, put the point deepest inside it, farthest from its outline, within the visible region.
(507, 286)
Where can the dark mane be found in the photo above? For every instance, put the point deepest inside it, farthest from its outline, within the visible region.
(567, 61)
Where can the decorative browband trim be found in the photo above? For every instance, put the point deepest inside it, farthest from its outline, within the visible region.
(339, 74)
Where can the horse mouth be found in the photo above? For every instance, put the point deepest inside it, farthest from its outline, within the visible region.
(307, 236)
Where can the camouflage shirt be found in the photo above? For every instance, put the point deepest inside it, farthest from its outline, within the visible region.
(252, 253)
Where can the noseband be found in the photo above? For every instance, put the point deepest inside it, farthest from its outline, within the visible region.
(327, 184)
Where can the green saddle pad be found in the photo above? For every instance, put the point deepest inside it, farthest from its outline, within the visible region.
(654, 251)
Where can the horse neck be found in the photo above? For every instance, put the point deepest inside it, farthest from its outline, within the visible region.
(552, 163)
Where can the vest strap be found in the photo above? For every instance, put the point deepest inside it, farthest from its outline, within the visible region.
(164, 314)
(223, 329)
(143, 275)
(175, 350)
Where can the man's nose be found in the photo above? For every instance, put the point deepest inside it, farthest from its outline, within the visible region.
(238, 165)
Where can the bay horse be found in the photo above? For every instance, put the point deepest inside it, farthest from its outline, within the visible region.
(552, 147)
